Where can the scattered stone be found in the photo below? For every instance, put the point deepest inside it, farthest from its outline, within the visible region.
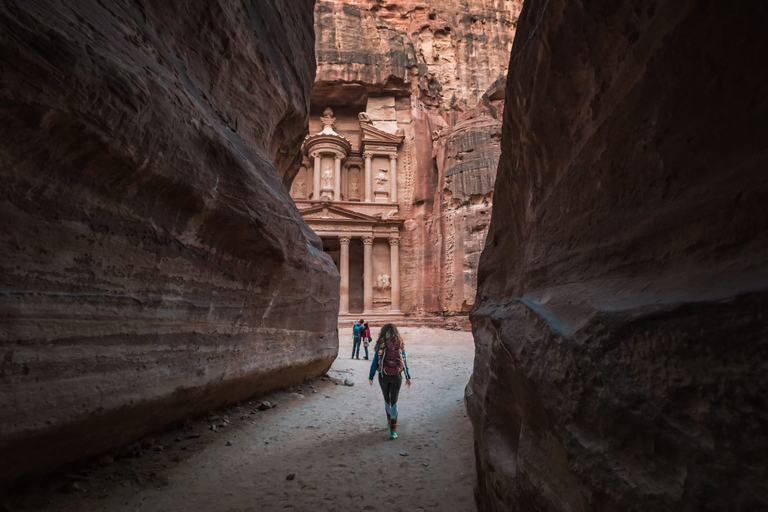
(244, 417)
(404, 454)
(229, 443)
(314, 391)
(193, 435)
(263, 406)
(106, 460)
(425, 463)
(159, 448)
(212, 427)
(349, 382)
(290, 476)
(178, 439)
(72, 487)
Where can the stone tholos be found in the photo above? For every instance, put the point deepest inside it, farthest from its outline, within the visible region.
(153, 263)
(620, 324)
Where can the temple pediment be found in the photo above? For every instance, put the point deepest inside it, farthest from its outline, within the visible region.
(330, 212)
(372, 135)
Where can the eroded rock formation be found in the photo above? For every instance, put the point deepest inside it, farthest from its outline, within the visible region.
(153, 263)
(422, 67)
(621, 328)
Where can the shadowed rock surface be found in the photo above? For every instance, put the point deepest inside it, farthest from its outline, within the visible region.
(620, 324)
(153, 263)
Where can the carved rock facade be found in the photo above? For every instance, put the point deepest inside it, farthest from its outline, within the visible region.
(153, 263)
(406, 84)
(621, 328)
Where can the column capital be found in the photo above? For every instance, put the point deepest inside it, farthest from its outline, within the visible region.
(367, 155)
(367, 240)
(393, 157)
(395, 240)
(314, 154)
(344, 240)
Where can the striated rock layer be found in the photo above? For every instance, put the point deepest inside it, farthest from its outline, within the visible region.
(153, 264)
(431, 62)
(620, 326)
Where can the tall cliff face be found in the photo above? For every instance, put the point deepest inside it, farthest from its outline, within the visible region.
(436, 60)
(153, 263)
(620, 327)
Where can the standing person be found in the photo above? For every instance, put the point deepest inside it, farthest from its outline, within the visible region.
(391, 363)
(366, 338)
(357, 330)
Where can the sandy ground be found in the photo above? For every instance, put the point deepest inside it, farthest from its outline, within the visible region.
(333, 438)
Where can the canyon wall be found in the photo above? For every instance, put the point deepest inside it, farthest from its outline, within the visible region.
(153, 264)
(432, 63)
(620, 325)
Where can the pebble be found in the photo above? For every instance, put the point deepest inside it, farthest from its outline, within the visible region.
(159, 448)
(349, 382)
(404, 454)
(229, 443)
(425, 463)
(290, 476)
(263, 406)
(193, 435)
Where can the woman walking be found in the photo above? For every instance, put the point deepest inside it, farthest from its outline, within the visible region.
(390, 361)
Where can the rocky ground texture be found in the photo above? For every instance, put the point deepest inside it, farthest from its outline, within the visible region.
(153, 263)
(622, 340)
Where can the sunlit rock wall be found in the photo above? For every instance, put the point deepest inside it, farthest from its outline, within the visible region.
(153, 265)
(621, 328)
(437, 60)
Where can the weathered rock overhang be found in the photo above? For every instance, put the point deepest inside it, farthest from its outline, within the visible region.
(154, 265)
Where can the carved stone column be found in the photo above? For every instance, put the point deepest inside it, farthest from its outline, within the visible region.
(393, 178)
(368, 178)
(344, 271)
(394, 254)
(316, 177)
(337, 178)
(368, 275)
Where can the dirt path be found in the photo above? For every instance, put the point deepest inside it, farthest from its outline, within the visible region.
(334, 439)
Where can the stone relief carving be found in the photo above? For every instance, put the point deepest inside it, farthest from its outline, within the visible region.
(354, 184)
(364, 118)
(382, 179)
(327, 119)
(301, 188)
(383, 282)
(328, 178)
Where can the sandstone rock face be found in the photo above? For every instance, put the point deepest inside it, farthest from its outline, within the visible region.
(621, 332)
(431, 62)
(467, 155)
(153, 263)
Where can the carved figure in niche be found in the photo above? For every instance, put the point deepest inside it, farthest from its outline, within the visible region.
(354, 185)
(328, 178)
(327, 119)
(382, 179)
(301, 188)
(364, 118)
(382, 282)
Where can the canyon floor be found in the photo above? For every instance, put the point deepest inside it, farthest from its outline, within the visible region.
(332, 437)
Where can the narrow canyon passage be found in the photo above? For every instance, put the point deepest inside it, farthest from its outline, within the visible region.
(334, 440)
